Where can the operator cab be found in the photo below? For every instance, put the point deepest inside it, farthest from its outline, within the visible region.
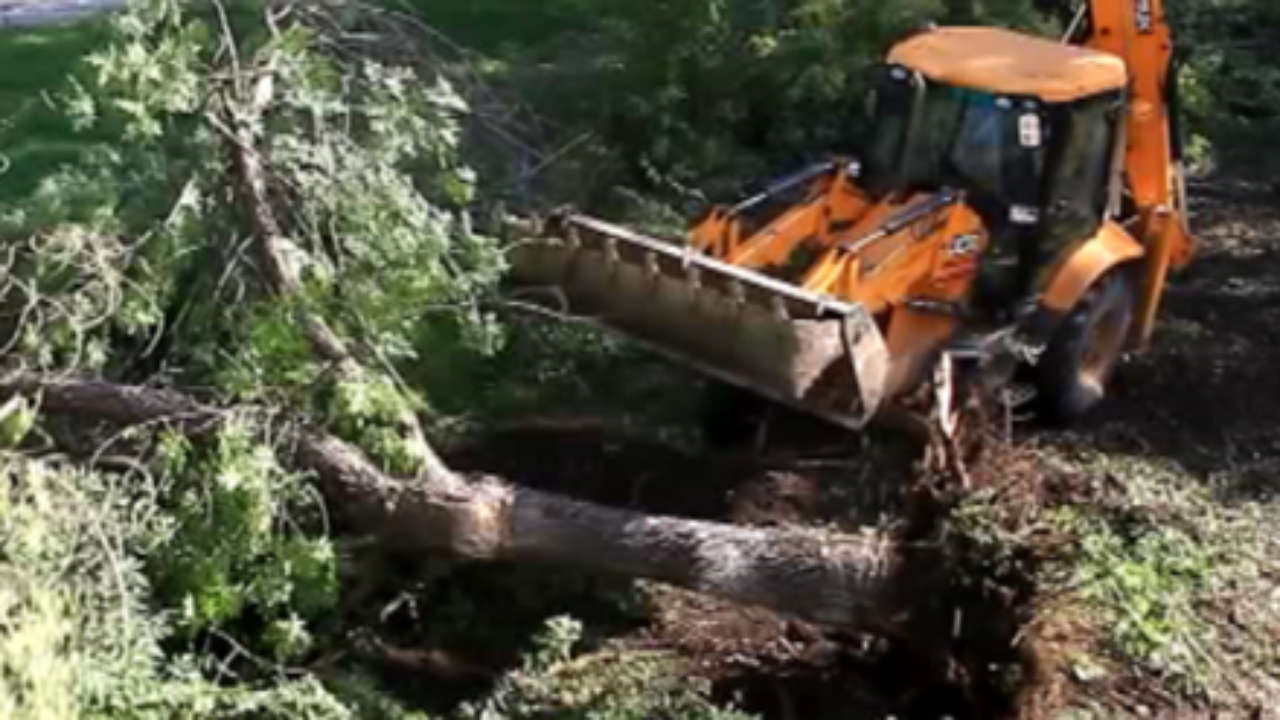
(1026, 127)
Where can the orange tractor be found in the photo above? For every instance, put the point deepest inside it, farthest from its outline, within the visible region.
(1015, 212)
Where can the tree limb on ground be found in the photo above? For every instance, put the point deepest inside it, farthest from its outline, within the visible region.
(282, 275)
(813, 575)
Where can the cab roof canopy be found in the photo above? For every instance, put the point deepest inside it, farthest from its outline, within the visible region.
(1007, 62)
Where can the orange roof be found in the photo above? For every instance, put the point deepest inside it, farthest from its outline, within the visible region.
(1003, 61)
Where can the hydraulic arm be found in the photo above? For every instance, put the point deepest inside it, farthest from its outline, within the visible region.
(1138, 31)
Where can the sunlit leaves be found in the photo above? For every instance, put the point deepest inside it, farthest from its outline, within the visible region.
(80, 635)
(272, 357)
(154, 70)
(287, 637)
(234, 542)
(17, 417)
(370, 412)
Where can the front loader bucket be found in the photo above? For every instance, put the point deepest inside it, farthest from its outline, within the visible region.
(817, 354)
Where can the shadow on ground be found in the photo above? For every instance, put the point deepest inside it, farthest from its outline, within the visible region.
(1207, 392)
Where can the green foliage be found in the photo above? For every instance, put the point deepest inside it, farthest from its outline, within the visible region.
(274, 358)
(234, 540)
(139, 261)
(1179, 580)
(151, 75)
(687, 100)
(1147, 580)
(140, 255)
(540, 363)
(70, 269)
(353, 137)
(1153, 570)
(17, 417)
(623, 685)
(79, 633)
(370, 412)
(36, 136)
(36, 621)
(1229, 85)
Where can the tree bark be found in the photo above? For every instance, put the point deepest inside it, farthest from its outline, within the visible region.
(272, 245)
(810, 574)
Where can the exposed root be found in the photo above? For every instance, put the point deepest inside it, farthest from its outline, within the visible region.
(424, 663)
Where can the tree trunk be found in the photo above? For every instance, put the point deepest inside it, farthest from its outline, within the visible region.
(818, 576)
(810, 574)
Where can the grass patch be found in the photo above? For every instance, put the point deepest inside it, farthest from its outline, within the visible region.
(35, 137)
(1158, 588)
(1189, 578)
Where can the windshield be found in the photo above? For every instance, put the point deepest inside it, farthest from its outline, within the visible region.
(999, 147)
(1080, 158)
(1019, 159)
(889, 104)
(989, 145)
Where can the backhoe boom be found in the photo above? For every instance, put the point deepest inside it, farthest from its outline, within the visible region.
(1138, 32)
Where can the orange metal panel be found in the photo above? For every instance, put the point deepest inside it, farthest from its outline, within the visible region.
(1085, 263)
(1137, 32)
(912, 340)
(1165, 236)
(772, 243)
(1004, 61)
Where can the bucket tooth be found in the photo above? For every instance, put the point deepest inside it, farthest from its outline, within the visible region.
(780, 309)
(694, 275)
(816, 353)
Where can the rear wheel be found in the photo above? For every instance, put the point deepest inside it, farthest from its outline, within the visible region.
(1072, 375)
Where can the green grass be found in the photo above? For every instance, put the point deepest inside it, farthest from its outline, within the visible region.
(35, 137)
(1154, 579)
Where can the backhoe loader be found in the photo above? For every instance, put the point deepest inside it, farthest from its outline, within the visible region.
(1014, 212)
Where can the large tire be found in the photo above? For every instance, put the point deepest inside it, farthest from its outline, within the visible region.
(1072, 375)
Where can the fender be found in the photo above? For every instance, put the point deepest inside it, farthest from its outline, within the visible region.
(1066, 282)
(1084, 263)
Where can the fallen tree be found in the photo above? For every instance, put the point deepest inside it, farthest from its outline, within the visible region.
(817, 576)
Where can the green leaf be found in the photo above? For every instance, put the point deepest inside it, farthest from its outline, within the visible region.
(17, 417)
